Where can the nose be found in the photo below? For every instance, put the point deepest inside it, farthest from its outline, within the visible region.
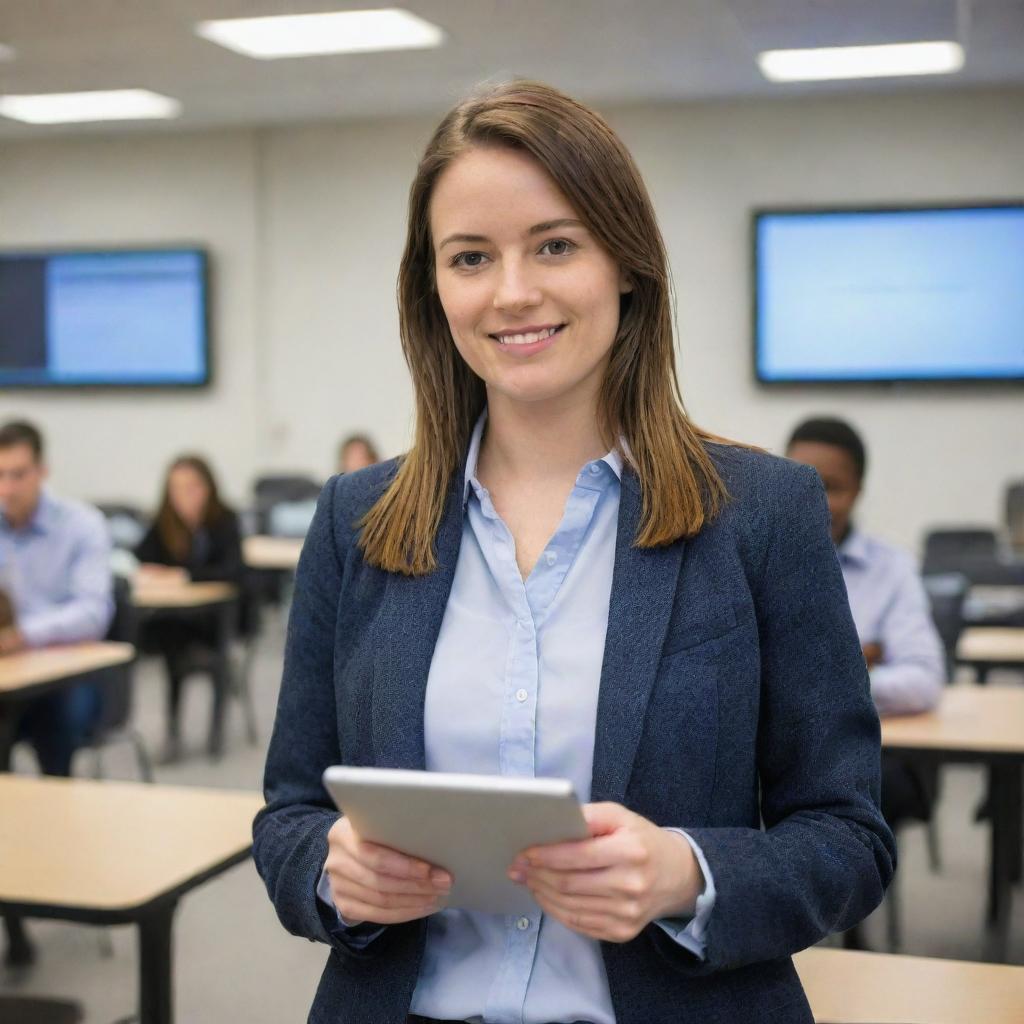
(515, 291)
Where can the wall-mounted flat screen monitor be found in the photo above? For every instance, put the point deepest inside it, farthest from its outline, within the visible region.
(929, 294)
(118, 318)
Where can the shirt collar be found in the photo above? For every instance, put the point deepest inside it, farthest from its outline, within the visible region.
(855, 549)
(43, 518)
(612, 458)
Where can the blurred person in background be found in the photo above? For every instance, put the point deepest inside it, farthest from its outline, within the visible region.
(56, 588)
(357, 451)
(195, 537)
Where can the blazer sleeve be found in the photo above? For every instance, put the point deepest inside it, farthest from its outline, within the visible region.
(825, 855)
(290, 832)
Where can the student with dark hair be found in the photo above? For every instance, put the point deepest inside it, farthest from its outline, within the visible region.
(55, 573)
(56, 589)
(890, 607)
(565, 577)
(194, 536)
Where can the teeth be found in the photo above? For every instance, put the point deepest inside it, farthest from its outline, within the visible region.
(527, 339)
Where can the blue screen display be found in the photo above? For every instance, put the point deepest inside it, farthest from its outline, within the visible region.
(120, 318)
(890, 295)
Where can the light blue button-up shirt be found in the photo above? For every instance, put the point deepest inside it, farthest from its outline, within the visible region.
(513, 690)
(890, 608)
(57, 570)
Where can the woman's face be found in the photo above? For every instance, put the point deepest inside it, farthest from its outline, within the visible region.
(188, 494)
(531, 298)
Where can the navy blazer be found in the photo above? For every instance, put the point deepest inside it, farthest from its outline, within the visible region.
(734, 702)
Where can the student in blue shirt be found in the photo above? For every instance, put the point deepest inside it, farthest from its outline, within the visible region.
(890, 607)
(564, 576)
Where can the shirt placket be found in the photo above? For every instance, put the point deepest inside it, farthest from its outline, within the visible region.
(529, 603)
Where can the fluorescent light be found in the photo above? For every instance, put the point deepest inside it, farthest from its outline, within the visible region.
(112, 105)
(303, 35)
(815, 65)
(6, 53)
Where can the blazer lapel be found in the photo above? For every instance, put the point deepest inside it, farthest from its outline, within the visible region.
(406, 634)
(643, 594)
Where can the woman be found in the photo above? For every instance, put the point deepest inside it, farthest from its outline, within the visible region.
(194, 536)
(565, 577)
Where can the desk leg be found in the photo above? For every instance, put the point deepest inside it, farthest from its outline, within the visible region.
(156, 977)
(1004, 790)
(222, 676)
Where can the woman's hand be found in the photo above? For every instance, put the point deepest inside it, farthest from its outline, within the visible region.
(377, 884)
(611, 886)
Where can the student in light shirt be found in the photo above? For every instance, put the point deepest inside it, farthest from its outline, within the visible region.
(565, 577)
(890, 607)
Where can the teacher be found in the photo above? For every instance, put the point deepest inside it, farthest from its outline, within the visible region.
(565, 577)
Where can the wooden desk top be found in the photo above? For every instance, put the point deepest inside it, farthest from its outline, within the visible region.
(977, 719)
(991, 644)
(846, 987)
(47, 664)
(82, 844)
(264, 552)
(152, 594)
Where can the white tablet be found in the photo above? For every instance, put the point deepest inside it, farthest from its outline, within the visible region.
(471, 825)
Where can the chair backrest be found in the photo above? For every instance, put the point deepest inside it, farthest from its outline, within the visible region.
(127, 523)
(947, 593)
(269, 491)
(955, 550)
(1015, 515)
(116, 683)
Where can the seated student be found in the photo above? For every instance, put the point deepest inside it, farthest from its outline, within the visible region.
(889, 604)
(55, 573)
(357, 451)
(57, 589)
(194, 536)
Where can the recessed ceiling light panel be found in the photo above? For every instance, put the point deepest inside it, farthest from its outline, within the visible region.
(306, 35)
(68, 107)
(835, 62)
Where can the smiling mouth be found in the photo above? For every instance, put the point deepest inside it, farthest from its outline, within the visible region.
(528, 338)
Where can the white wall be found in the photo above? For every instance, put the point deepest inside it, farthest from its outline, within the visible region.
(306, 225)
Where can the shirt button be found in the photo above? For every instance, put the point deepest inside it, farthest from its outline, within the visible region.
(521, 695)
(523, 923)
(595, 468)
(551, 557)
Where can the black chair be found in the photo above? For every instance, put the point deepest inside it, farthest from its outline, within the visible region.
(127, 523)
(947, 593)
(958, 550)
(1015, 515)
(269, 491)
(117, 689)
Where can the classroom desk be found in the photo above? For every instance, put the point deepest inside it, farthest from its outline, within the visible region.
(991, 647)
(156, 598)
(127, 853)
(272, 553)
(32, 673)
(982, 725)
(846, 987)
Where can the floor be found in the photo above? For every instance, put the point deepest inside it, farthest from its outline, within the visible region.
(234, 962)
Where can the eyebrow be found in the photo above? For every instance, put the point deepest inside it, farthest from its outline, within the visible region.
(537, 229)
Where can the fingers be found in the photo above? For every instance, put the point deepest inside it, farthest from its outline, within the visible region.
(591, 920)
(586, 854)
(374, 883)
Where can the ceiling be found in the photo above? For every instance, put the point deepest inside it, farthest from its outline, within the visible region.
(604, 51)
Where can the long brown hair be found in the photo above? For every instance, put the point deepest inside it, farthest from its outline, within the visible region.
(639, 400)
(174, 534)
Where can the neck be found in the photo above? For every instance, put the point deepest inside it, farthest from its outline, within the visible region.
(541, 441)
(20, 522)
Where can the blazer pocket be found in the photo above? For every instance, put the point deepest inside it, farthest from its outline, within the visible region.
(695, 632)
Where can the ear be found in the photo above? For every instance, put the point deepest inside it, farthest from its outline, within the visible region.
(625, 284)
